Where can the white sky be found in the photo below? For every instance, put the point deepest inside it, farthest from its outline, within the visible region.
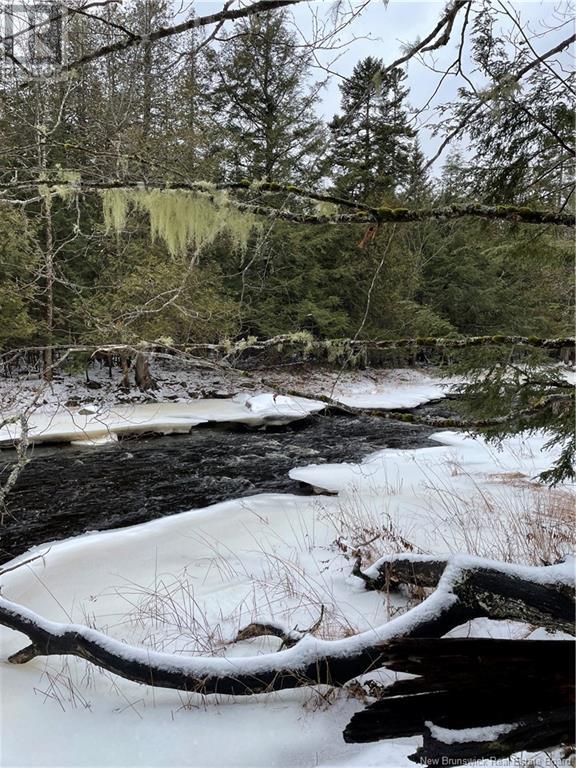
(383, 29)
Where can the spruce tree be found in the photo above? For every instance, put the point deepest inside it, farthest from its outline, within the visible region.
(521, 138)
(372, 140)
(418, 183)
(263, 104)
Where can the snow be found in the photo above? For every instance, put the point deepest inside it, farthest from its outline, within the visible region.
(486, 733)
(186, 584)
(394, 398)
(91, 426)
(62, 413)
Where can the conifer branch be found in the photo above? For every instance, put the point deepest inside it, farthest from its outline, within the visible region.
(196, 22)
(508, 80)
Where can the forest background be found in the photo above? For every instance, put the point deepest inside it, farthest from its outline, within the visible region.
(244, 107)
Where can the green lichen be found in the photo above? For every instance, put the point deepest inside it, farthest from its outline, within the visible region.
(342, 352)
(181, 219)
(385, 213)
(235, 347)
(68, 190)
(323, 208)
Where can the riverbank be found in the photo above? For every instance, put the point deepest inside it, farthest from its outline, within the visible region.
(188, 582)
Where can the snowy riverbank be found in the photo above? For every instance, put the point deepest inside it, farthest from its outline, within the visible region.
(186, 583)
(70, 410)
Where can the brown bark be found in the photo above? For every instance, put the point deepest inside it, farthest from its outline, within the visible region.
(144, 380)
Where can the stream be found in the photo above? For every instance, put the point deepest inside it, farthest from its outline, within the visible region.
(65, 490)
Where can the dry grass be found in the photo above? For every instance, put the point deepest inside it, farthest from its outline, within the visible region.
(365, 527)
(514, 520)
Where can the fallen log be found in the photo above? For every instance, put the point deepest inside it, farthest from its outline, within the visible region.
(467, 683)
(537, 732)
(468, 588)
(494, 591)
(523, 685)
(390, 572)
(475, 698)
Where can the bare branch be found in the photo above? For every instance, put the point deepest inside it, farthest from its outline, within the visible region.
(226, 14)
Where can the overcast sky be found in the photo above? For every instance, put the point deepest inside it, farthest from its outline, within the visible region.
(383, 28)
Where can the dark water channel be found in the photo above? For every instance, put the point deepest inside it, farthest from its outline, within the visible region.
(65, 491)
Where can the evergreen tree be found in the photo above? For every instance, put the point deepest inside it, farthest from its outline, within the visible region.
(522, 136)
(18, 260)
(455, 181)
(262, 103)
(418, 183)
(372, 141)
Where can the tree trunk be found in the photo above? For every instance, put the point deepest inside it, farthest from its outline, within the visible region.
(46, 212)
(468, 588)
(144, 380)
(125, 384)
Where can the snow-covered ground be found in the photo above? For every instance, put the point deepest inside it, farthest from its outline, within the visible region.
(90, 425)
(187, 583)
(66, 411)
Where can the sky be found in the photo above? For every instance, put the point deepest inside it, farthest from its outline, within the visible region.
(383, 28)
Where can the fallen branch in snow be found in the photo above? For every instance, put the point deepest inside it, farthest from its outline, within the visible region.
(289, 637)
(22, 563)
(521, 415)
(472, 698)
(495, 591)
(468, 588)
(301, 348)
(472, 341)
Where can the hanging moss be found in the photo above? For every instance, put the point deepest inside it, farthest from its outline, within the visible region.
(180, 219)
(323, 208)
(68, 190)
(115, 208)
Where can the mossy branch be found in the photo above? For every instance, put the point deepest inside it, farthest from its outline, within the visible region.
(361, 213)
(436, 342)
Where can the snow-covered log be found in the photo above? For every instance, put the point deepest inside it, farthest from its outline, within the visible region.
(310, 661)
(483, 587)
(467, 588)
(536, 732)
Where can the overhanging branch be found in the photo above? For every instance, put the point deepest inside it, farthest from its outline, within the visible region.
(162, 33)
(362, 213)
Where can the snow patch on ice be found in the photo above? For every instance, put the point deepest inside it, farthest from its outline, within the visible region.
(94, 426)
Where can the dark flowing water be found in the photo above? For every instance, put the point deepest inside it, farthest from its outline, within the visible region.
(65, 491)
